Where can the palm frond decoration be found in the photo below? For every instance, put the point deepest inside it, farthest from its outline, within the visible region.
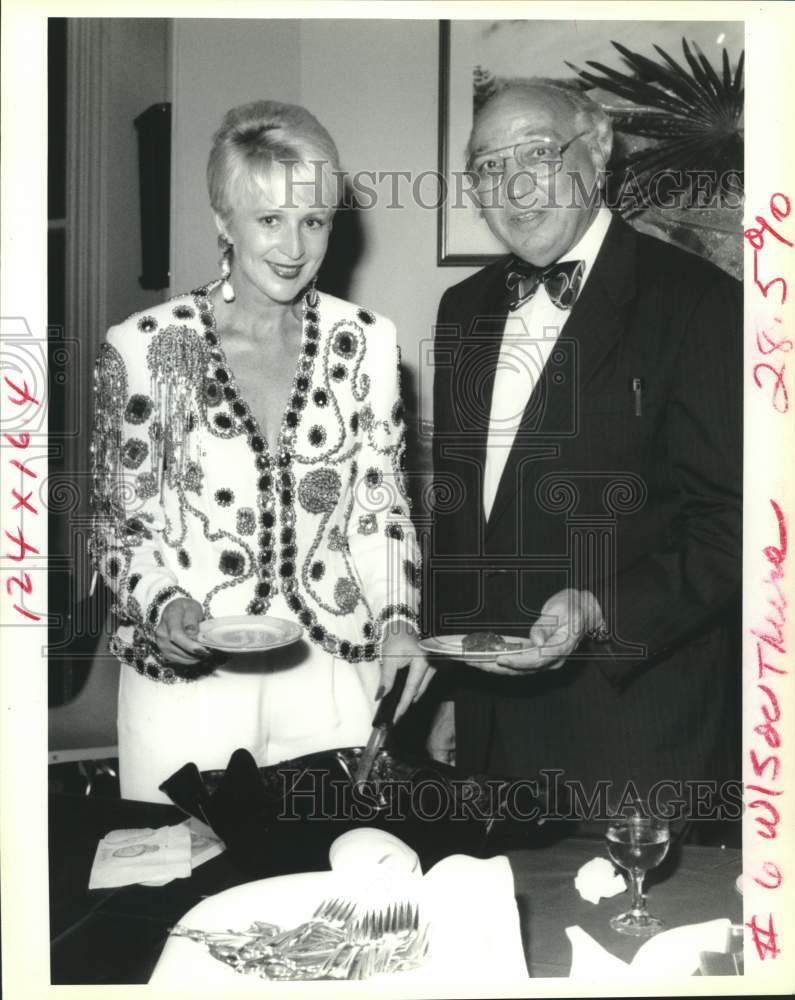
(682, 121)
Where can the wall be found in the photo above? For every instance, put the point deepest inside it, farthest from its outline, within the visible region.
(374, 85)
(215, 66)
(136, 73)
(384, 118)
(116, 68)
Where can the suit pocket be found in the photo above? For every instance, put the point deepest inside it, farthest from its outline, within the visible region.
(616, 429)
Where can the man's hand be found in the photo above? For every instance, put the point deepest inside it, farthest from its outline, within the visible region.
(400, 647)
(564, 620)
(177, 631)
(441, 740)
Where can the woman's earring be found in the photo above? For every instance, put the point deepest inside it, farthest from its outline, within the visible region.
(311, 294)
(227, 291)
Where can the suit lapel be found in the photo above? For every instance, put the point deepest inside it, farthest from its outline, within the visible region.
(595, 324)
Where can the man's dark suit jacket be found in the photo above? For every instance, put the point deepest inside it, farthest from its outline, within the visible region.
(625, 478)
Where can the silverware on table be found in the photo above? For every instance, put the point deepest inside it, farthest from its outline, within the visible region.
(332, 944)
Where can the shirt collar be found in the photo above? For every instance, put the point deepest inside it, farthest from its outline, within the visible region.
(586, 249)
(588, 246)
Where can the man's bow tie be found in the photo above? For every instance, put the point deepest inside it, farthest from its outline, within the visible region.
(562, 282)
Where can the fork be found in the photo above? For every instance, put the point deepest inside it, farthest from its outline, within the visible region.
(414, 952)
(390, 933)
(368, 946)
(393, 924)
(326, 925)
(336, 912)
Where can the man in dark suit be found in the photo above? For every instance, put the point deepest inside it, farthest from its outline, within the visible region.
(587, 451)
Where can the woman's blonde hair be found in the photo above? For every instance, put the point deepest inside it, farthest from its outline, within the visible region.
(254, 138)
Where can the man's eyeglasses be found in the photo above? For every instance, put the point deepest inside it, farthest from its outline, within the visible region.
(541, 158)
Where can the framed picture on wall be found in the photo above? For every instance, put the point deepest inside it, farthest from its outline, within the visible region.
(477, 56)
(463, 237)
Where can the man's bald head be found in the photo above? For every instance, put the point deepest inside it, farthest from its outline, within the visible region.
(566, 102)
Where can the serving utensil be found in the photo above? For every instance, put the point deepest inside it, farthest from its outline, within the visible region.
(382, 720)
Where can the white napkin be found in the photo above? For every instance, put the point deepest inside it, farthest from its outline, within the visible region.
(152, 857)
(125, 857)
(475, 930)
(469, 904)
(204, 844)
(598, 879)
(364, 850)
(674, 953)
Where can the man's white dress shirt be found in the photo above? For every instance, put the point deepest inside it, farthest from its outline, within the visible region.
(529, 336)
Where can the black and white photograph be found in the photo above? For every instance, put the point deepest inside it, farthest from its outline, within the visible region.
(396, 446)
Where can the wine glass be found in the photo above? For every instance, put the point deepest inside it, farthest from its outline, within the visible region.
(637, 840)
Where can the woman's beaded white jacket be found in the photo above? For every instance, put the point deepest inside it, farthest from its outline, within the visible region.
(189, 501)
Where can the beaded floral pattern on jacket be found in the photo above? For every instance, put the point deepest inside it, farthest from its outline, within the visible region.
(301, 521)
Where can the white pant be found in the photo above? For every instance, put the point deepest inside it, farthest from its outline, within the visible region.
(279, 705)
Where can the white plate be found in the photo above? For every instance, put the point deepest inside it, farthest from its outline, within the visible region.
(247, 633)
(452, 646)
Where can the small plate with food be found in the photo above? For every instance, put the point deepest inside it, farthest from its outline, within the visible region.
(247, 633)
(477, 647)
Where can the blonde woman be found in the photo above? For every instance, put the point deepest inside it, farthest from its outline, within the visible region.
(248, 448)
